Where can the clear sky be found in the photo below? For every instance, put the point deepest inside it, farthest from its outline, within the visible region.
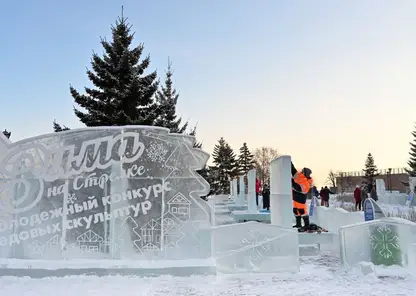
(324, 81)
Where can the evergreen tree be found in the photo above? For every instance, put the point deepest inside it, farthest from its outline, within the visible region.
(225, 166)
(166, 100)
(196, 144)
(245, 160)
(123, 94)
(7, 134)
(370, 169)
(58, 128)
(412, 160)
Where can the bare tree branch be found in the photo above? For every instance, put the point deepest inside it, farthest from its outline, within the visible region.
(262, 157)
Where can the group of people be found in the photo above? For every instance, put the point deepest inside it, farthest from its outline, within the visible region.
(361, 193)
(324, 194)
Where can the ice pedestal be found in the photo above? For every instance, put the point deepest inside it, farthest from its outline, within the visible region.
(235, 190)
(281, 207)
(383, 242)
(251, 191)
(255, 247)
(333, 218)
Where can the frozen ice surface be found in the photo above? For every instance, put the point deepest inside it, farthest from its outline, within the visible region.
(384, 242)
(318, 276)
(255, 247)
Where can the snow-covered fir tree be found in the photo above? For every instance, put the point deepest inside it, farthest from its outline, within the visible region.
(370, 169)
(123, 93)
(412, 159)
(225, 166)
(166, 100)
(245, 160)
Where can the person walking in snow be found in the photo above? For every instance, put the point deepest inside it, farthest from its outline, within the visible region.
(258, 185)
(364, 195)
(373, 193)
(266, 197)
(327, 192)
(357, 197)
(321, 194)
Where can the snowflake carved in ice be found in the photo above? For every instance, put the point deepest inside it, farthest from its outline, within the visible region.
(71, 199)
(258, 245)
(156, 152)
(385, 241)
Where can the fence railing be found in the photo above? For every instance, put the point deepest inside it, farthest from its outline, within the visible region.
(393, 171)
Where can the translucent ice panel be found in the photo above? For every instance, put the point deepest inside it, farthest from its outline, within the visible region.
(385, 242)
(108, 192)
(255, 247)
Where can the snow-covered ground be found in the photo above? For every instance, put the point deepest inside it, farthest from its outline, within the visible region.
(319, 276)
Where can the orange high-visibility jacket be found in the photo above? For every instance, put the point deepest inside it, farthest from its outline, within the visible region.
(301, 187)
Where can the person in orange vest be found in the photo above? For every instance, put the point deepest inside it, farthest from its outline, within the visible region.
(301, 184)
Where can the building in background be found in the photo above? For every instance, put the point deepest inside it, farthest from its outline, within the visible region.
(394, 178)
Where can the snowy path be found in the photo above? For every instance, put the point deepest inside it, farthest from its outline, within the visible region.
(318, 277)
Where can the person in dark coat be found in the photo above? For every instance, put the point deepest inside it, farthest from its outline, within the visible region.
(357, 197)
(315, 191)
(321, 194)
(266, 197)
(327, 192)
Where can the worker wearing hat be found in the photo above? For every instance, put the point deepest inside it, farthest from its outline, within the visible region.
(301, 184)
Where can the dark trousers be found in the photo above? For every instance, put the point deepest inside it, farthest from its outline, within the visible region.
(257, 198)
(266, 202)
(326, 203)
(358, 205)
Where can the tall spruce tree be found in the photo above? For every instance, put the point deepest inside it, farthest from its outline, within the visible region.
(123, 94)
(245, 160)
(225, 166)
(370, 169)
(166, 100)
(412, 159)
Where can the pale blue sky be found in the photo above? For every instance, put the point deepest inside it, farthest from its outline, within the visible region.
(323, 81)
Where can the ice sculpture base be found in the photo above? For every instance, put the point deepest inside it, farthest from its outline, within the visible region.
(324, 238)
(243, 216)
(61, 268)
(255, 247)
(236, 207)
(387, 242)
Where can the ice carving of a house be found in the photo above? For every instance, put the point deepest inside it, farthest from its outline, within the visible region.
(171, 230)
(54, 243)
(180, 207)
(150, 235)
(36, 248)
(89, 241)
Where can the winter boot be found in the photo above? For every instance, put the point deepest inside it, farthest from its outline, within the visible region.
(298, 222)
(306, 222)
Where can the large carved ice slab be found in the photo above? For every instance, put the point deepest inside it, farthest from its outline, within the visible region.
(255, 247)
(110, 192)
(384, 242)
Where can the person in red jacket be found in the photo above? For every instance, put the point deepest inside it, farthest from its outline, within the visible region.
(357, 197)
(258, 185)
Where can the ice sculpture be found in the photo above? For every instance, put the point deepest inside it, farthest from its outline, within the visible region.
(386, 242)
(281, 208)
(380, 188)
(372, 210)
(255, 247)
(251, 191)
(108, 192)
